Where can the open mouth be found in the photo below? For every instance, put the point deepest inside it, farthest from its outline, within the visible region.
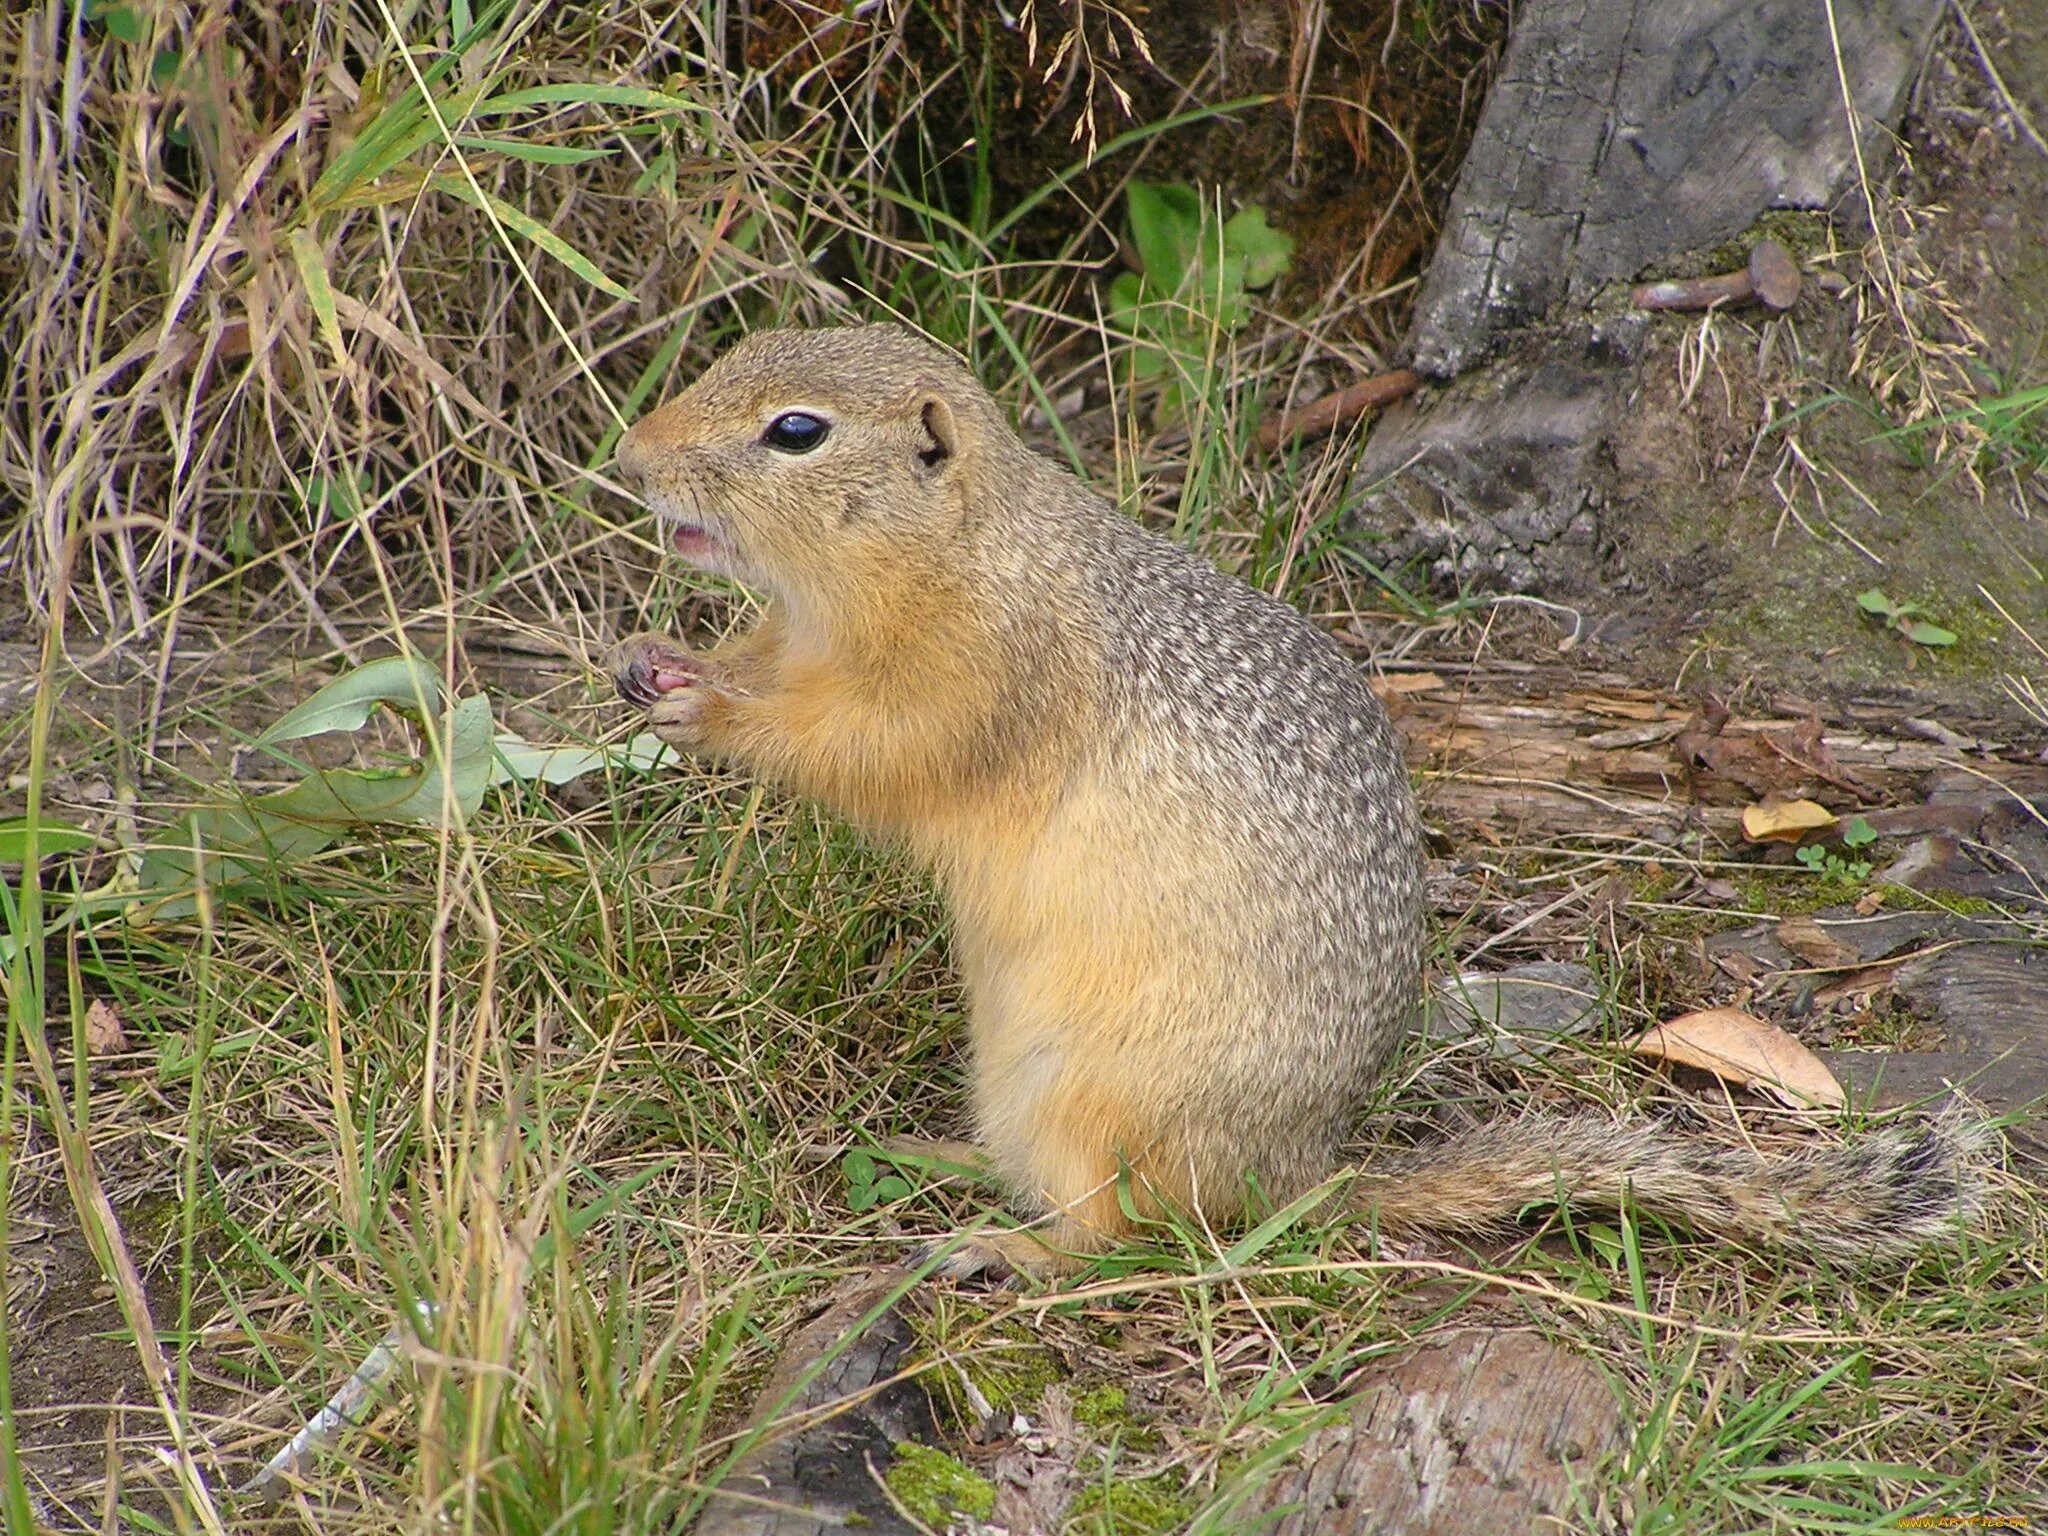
(695, 541)
(701, 539)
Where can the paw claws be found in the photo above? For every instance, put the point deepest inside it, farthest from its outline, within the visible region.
(979, 1262)
(647, 668)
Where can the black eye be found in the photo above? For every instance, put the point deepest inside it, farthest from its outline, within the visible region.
(795, 432)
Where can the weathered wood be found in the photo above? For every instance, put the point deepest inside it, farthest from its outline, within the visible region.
(1619, 132)
(1480, 1430)
(1531, 763)
(1991, 1002)
(844, 1425)
(1499, 477)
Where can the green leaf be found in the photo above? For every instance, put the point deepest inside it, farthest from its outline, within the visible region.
(230, 843)
(1255, 1242)
(1858, 833)
(1812, 856)
(398, 132)
(175, 1057)
(1592, 1285)
(660, 176)
(587, 95)
(119, 21)
(890, 1188)
(226, 845)
(1148, 363)
(419, 794)
(1223, 294)
(51, 837)
(525, 224)
(1923, 633)
(1875, 601)
(1126, 298)
(343, 498)
(1265, 250)
(516, 760)
(1605, 1241)
(543, 154)
(312, 265)
(1166, 227)
(408, 682)
(859, 1168)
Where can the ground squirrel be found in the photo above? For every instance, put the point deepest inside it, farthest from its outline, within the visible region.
(1170, 819)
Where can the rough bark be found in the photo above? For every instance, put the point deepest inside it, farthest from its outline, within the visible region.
(1481, 1430)
(1618, 133)
(820, 1474)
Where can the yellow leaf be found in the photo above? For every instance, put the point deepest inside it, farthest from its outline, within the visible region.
(312, 264)
(1784, 821)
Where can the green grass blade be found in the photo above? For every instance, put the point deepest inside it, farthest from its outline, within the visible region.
(312, 265)
(539, 154)
(1128, 139)
(525, 224)
(587, 95)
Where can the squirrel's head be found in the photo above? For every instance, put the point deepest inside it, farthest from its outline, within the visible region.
(801, 458)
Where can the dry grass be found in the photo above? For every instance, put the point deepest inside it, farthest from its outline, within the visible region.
(295, 381)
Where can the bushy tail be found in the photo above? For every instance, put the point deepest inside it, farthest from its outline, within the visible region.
(1884, 1195)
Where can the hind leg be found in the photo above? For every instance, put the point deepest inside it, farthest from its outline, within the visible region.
(1046, 1251)
(1094, 1168)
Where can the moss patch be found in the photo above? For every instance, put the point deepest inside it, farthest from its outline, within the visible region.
(1792, 893)
(1802, 231)
(1135, 1508)
(1105, 1412)
(1008, 1365)
(935, 1488)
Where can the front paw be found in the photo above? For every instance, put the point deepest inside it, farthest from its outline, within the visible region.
(645, 669)
(678, 716)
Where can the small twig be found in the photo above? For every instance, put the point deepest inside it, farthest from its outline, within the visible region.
(1525, 600)
(1772, 276)
(1321, 417)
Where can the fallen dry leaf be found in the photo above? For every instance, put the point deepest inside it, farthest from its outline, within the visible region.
(1784, 821)
(1860, 985)
(1406, 682)
(104, 1035)
(1744, 1049)
(1815, 945)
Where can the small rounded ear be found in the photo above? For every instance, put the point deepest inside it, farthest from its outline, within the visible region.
(941, 435)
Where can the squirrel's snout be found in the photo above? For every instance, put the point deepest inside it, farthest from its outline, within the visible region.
(631, 458)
